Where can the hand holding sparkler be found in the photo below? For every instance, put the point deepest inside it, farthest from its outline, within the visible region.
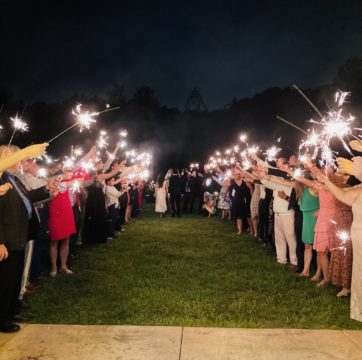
(5, 188)
(34, 151)
(345, 166)
(356, 145)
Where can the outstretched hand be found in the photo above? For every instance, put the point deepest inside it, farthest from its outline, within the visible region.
(36, 150)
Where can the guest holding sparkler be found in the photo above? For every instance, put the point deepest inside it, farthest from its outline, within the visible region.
(95, 223)
(352, 197)
(18, 223)
(61, 226)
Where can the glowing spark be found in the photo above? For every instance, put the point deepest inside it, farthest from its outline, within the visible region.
(122, 144)
(243, 137)
(19, 124)
(343, 235)
(78, 151)
(208, 182)
(272, 153)
(123, 133)
(76, 186)
(108, 106)
(246, 165)
(252, 149)
(42, 172)
(340, 97)
(88, 166)
(297, 173)
(68, 163)
(85, 119)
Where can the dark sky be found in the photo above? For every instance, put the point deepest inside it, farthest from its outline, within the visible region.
(51, 50)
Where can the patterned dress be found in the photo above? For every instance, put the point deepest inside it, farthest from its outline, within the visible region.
(224, 199)
(356, 234)
(340, 267)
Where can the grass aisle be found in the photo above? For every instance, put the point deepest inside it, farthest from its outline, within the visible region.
(191, 271)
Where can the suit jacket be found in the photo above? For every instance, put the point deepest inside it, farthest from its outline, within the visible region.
(175, 185)
(15, 226)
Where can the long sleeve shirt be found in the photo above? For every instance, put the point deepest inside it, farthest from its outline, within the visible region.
(112, 196)
(280, 205)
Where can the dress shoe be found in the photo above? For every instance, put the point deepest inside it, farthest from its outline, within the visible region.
(9, 327)
(21, 318)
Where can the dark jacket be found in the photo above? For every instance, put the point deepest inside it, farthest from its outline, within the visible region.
(175, 185)
(15, 226)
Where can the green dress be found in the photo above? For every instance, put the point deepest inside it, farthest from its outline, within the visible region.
(309, 204)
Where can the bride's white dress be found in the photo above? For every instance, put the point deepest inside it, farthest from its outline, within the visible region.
(161, 204)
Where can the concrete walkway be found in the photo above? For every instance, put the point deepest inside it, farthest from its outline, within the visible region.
(70, 342)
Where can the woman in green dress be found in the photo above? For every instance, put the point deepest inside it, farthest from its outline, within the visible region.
(309, 205)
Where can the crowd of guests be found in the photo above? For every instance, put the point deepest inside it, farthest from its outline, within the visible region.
(310, 216)
(81, 202)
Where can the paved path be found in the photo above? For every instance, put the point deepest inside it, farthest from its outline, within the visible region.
(74, 342)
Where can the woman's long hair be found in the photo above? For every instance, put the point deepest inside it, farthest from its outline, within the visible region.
(160, 180)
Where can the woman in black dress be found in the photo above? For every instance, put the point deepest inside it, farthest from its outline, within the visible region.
(95, 218)
(241, 192)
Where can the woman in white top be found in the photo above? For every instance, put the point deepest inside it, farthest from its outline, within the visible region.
(161, 196)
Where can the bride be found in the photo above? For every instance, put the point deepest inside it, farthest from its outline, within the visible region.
(161, 196)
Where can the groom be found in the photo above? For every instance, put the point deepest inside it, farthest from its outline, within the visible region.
(175, 189)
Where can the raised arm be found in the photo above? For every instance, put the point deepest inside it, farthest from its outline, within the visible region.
(9, 159)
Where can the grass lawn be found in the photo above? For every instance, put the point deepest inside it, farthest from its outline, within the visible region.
(191, 271)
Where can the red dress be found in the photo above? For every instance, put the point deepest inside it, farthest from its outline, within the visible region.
(61, 218)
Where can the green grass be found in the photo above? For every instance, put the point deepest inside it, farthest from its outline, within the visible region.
(189, 272)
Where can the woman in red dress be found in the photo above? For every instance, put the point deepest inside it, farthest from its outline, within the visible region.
(61, 226)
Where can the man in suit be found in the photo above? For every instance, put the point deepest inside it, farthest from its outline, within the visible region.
(175, 190)
(18, 223)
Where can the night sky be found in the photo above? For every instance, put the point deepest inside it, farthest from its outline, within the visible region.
(51, 50)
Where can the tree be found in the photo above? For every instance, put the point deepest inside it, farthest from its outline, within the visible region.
(145, 97)
(349, 77)
(116, 96)
(195, 101)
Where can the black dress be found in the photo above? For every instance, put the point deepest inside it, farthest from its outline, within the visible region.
(241, 197)
(95, 219)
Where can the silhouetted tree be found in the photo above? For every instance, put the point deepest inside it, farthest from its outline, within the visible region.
(145, 97)
(349, 76)
(116, 96)
(195, 101)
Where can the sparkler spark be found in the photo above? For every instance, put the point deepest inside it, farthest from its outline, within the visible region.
(123, 133)
(42, 172)
(272, 153)
(243, 137)
(85, 119)
(19, 124)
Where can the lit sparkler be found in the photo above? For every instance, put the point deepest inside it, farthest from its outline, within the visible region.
(272, 153)
(18, 125)
(123, 133)
(42, 172)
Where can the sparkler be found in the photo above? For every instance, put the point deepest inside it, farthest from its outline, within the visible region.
(102, 140)
(272, 153)
(18, 125)
(84, 119)
(208, 182)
